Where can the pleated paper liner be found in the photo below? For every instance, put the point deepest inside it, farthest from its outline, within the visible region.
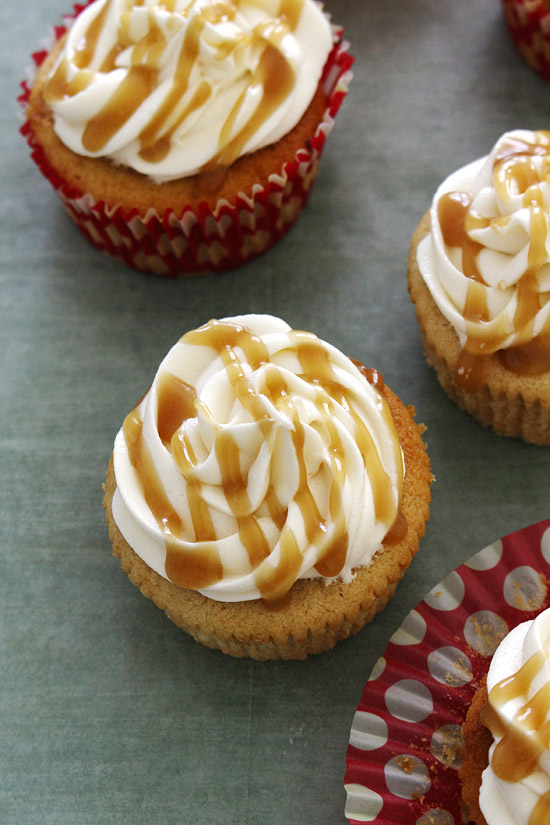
(529, 24)
(404, 749)
(205, 239)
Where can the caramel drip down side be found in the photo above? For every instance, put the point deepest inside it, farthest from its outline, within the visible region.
(399, 527)
(532, 358)
(194, 568)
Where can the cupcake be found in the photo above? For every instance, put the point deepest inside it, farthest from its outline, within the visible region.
(529, 24)
(479, 275)
(268, 492)
(506, 769)
(185, 137)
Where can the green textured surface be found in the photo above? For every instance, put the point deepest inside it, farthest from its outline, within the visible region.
(108, 713)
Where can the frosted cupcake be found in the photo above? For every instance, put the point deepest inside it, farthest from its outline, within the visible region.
(529, 24)
(479, 275)
(506, 770)
(185, 136)
(267, 493)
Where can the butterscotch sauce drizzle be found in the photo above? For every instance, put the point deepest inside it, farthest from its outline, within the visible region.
(453, 210)
(177, 402)
(274, 582)
(155, 496)
(155, 149)
(154, 140)
(514, 174)
(399, 528)
(234, 485)
(532, 358)
(524, 739)
(541, 811)
(317, 368)
(193, 568)
(276, 78)
(273, 75)
(472, 370)
(224, 337)
(373, 376)
(86, 48)
(129, 96)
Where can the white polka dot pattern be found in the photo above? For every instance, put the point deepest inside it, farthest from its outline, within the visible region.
(450, 666)
(378, 669)
(363, 805)
(524, 588)
(407, 776)
(447, 595)
(545, 545)
(487, 559)
(368, 731)
(484, 631)
(445, 745)
(404, 747)
(412, 631)
(409, 700)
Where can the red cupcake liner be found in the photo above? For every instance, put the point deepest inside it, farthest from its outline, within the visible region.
(205, 239)
(529, 24)
(404, 750)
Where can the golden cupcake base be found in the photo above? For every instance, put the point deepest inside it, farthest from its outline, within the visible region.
(212, 221)
(314, 616)
(511, 404)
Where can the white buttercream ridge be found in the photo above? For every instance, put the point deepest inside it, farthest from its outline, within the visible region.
(293, 439)
(205, 75)
(503, 223)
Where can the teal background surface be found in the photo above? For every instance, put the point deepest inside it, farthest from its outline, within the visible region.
(109, 713)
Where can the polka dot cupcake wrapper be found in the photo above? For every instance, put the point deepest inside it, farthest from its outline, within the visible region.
(203, 239)
(529, 24)
(404, 748)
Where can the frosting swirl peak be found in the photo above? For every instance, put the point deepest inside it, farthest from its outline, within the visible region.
(486, 260)
(260, 455)
(170, 87)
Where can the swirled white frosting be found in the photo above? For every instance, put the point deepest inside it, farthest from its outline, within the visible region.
(170, 87)
(513, 791)
(259, 456)
(486, 260)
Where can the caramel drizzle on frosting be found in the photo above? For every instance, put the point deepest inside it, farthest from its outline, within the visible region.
(513, 173)
(274, 76)
(177, 402)
(526, 737)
